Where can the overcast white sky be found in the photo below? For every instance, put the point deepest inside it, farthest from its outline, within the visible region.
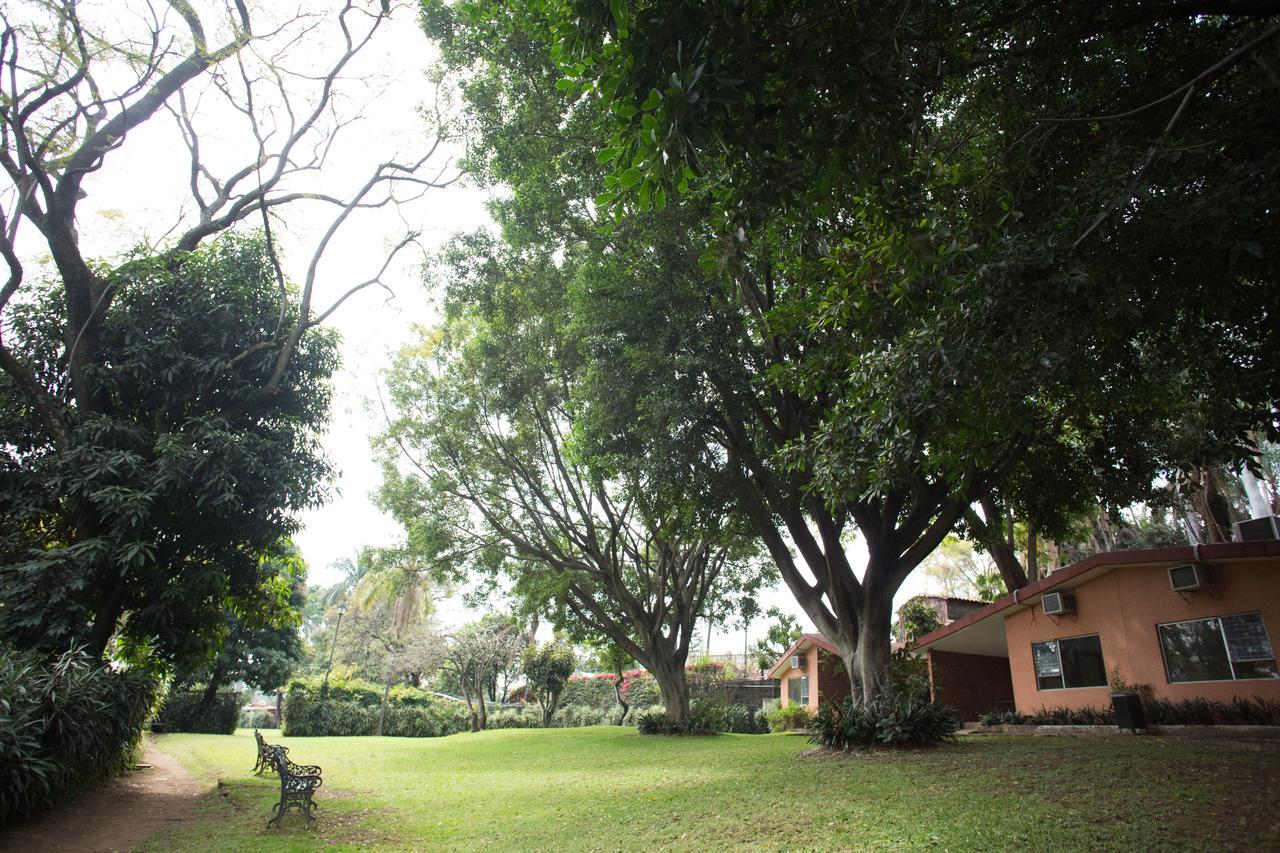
(135, 197)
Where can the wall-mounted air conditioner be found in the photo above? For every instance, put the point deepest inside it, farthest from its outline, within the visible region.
(797, 661)
(1189, 577)
(1058, 603)
(1266, 527)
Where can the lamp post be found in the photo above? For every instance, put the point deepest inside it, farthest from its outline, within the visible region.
(342, 608)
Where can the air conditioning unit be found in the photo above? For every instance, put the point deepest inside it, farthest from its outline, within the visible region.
(1266, 527)
(1189, 577)
(1058, 603)
(797, 661)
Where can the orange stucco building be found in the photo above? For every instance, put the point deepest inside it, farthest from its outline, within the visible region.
(819, 676)
(1187, 622)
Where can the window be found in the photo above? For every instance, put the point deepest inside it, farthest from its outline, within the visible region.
(1075, 662)
(1223, 648)
(798, 690)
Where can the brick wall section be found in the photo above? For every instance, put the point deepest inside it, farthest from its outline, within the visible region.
(972, 684)
(833, 681)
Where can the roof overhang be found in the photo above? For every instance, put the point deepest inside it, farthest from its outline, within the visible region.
(980, 633)
(806, 641)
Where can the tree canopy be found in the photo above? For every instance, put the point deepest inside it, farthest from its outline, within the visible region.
(953, 263)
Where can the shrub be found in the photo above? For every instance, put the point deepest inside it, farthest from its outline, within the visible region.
(1254, 711)
(706, 717)
(654, 721)
(438, 719)
(596, 691)
(794, 717)
(573, 716)
(65, 724)
(186, 711)
(891, 719)
(515, 720)
(349, 708)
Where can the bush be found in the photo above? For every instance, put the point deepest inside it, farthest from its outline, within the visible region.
(185, 711)
(65, 724)
(596, 691)
(1239, 711)
(706, 717)
(530, 719)
(349, 708)
(573, 716)
(794, 717)
(438, 719)
(891, 719)
(654, 721)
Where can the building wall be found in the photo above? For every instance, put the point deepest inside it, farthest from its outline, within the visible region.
(832, 678)
(972, 684)
(827, 681)
(1123, 608)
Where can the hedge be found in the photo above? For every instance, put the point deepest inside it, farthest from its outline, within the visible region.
(185, 711)
(65, 724)
(349, 708)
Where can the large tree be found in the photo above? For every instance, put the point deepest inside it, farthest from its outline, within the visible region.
(479, 462)
(957, 280)
(164, 402)
(163, 506)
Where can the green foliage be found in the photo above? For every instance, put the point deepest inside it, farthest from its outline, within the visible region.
(262, 645)
(791, 718)
(516, 719)
(64, 725)
(890, 719)
(547, 667)
(1240, 711)
(189, 711)
(706, 717)
(639, 689)
(989, 255)
(918, 619)
(574, 716)
(783, 630)
(909, 674)
(349, 708)
(164, 507)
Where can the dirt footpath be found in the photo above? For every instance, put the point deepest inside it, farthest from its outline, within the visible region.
(119, 815)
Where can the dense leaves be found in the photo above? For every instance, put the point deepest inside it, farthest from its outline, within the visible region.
(162, 505)
(65, 723)
(960, 261)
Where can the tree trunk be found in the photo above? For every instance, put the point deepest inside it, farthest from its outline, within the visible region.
(873, 650)
(548, 708)
(674, 688)
(215, 681)
(617, 692)
(104, 621)
(482, 716)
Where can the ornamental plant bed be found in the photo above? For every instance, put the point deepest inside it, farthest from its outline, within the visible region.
(1196, 731)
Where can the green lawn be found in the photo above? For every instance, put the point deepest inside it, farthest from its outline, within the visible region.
(609, 788)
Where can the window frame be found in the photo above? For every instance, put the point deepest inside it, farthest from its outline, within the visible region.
(801, 690)
(1062, 673)
(1226, 647)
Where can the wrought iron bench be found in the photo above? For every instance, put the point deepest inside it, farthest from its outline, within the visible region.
(297, 783)
(264, 754)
